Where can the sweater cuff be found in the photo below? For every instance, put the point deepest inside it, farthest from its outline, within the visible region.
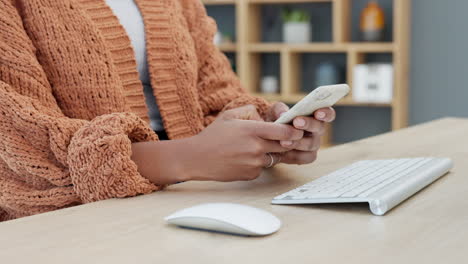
(100, 161)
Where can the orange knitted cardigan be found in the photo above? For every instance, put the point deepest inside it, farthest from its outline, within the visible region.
(71, 102)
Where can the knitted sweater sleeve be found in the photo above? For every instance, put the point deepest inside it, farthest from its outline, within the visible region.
(220, 89)
(48, 160)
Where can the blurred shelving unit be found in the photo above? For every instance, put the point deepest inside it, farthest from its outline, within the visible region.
(231, 47)
(250, 49)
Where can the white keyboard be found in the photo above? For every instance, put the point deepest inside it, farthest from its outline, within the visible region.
(382, 183)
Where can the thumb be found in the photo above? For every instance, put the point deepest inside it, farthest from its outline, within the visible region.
(276, 110)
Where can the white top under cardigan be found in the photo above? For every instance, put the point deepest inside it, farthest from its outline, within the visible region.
(130, 17)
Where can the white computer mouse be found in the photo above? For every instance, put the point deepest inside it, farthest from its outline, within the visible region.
(228, 218)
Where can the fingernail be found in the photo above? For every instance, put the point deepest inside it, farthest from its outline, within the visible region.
(286, 143)
(321, 115)
(299, 122)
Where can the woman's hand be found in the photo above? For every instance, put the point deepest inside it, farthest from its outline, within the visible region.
(230, 149)
(304, 150)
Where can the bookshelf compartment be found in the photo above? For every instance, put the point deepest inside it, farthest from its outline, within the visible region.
(232, 57)
(376, 58)
(267, 65)
(309, 64)
(364, 121)
(225, 17)
(267, 22)
(356, 8)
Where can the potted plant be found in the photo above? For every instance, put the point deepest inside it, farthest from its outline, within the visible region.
(296, 26)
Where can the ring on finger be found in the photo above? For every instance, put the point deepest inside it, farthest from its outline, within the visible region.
(272, 161)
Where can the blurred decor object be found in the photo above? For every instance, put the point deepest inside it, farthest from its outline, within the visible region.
(372, 22)
(269, 85)
(327, 73)
(296, 26)
(221, 38)
(373, 83)
(218, 38)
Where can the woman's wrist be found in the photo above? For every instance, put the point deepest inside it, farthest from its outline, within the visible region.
(162, 162)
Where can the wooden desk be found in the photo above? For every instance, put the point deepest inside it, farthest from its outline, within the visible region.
(431, 227)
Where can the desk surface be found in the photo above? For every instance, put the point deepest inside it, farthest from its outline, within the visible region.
(430, 227)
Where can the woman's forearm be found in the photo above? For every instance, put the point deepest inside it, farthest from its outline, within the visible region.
(161, 162)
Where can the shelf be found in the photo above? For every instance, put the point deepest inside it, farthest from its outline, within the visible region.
(269, 97)
(219, 2)
(371, 46)
(350, 102)
(227, 47)
(266, 47)
(321, 47)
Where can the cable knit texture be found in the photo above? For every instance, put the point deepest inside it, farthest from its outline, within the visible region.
(71, 102)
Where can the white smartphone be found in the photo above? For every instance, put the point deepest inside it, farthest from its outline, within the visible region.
(323, 96)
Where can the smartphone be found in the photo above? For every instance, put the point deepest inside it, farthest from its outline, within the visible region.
(323, 96)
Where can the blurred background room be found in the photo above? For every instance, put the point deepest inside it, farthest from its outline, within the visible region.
(404, 59)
